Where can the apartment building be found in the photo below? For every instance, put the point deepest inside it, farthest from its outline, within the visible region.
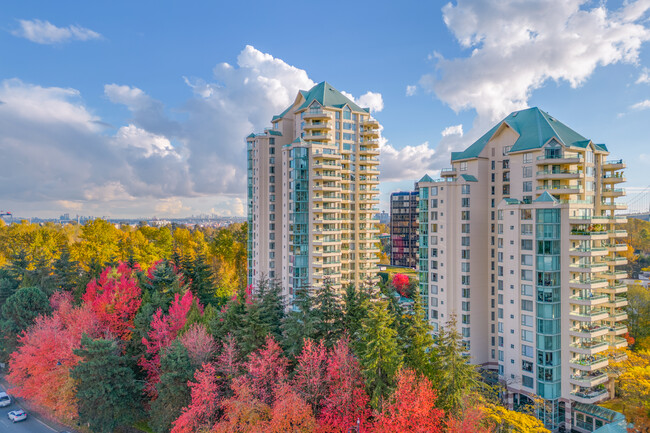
(520, 240)
(312, 193)
(404, 227)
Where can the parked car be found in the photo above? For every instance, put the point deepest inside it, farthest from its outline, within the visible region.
(17, 415)
(5, 400)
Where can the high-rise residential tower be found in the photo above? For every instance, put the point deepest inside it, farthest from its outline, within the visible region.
(312, 193)
(404, 228)
(520, 240)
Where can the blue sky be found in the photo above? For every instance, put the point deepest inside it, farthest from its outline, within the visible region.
(140, 108)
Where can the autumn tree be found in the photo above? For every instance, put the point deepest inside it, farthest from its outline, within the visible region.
(411, 407)
(401, 283)
(115, 299)
(310, 374)
(164, 330)
(40, 368)
(266, 369)
(633, 385)
(108, 395)
(203, 411)
(346, 401)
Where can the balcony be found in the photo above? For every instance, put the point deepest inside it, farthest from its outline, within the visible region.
(589, 347)
(326, 176)
(589, 299)
(613, 178)
(590, 396)
(364, 150)
(618, 330)
(559, 189)
(588, 252)
(618, 316)
(561, 158)
(614, 288)
(616, 248)
(593, 235)
(618, 343)
(587, 380)
(317, 114)
(370, 133)
(318, 126)
(589, 330)
(613, 206)
(614, 275)
(559, 174)
(589, 363)
(447, 172)
(588, 267)
(589, 314)
(370, 123)
(617, 233)
(591, 219)
(310, 136)
(615, 261)
(617, 302)
(613, 192)
(615, 164)
(588, 283)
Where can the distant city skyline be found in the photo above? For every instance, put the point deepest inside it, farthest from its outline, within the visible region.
(104, 112)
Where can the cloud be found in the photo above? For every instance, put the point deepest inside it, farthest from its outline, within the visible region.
(410, 90)
(644, 77)
(373, 101)
(453, 130)
(56, 151)
(513, 52)
(643, 105)
(44, 32)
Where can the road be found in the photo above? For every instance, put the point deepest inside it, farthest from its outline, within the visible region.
(30, 425)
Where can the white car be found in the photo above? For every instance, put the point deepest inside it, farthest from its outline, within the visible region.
(17, 415)
(5, 400)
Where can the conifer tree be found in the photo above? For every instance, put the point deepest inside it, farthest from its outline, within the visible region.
(66, 270)
(381, 358)
(107, 392)
(418, 340)
(454, 377)
(173, 390)
(272, 307)
(300, 323)
(329, 315)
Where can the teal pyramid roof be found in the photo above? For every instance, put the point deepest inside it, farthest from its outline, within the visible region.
(535, 128)
(426, 178)
(545, 198)
(327, 96)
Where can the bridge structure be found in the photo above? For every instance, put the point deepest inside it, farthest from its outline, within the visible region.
(638, 204)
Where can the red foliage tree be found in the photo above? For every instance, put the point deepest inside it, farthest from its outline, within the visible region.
(267, 368)
(311, 373)
(40, 368)
(347, 400)
(115, 299)
(243, 412)
(472, 420)
(164, 330)
(401, 283)
(411, 407)
(203, 411)
(290, 413)
(199, 344)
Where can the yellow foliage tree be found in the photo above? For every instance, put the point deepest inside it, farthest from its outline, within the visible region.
(633, 386)
(503, 420)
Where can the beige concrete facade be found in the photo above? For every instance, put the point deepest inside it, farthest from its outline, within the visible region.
(526, 256)
(313, 186)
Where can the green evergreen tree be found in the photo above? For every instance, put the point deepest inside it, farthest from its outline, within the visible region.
(328, 311)
(251, 334)
(66, 271)
(176, 371)
(163, 278)
(300, 323)
(418, 342)
(381, 358)
(231, 317)
(107, 392)
(355, 310)
(454, 377)
(17, 314)
(8, 284)
(202, 280)
(272, 308)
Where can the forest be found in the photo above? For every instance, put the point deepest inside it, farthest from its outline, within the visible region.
(111, 329)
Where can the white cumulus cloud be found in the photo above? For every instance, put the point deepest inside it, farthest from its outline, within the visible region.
(452, 130)
(643, 105)
(644, 77)
(514, 52)
(44, 32)
(410, 90)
